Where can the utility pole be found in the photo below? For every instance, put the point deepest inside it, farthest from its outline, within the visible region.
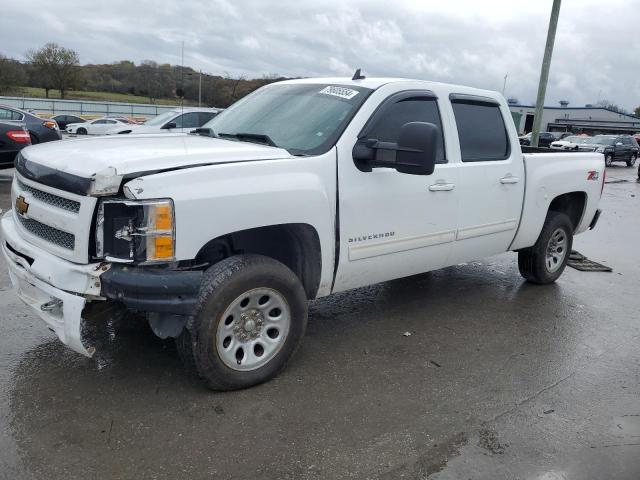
(544, 72)
(504, 85)
(200, 90)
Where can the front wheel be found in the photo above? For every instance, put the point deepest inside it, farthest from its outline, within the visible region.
(81, 131)
(250, 319)
(632, 160)
(546, 260)
(608, 159)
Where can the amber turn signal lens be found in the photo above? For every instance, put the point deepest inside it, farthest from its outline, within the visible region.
(163, 217)
(163, 247)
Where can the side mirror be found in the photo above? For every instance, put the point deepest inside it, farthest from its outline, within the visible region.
(169, 125)
(414, 154)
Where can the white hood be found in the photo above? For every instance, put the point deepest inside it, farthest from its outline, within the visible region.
(139, 153)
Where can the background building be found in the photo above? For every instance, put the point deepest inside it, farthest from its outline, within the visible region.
(588, 119)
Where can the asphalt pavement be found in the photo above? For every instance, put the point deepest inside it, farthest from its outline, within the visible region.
(498, 379)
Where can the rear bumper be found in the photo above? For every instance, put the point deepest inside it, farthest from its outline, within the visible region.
(55, 289)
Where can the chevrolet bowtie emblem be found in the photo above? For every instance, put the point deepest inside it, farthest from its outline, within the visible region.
(21, 205)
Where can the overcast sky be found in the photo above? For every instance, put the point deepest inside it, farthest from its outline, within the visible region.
(471, 42)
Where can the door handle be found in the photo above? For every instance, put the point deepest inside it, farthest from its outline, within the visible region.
(509, 179)
(441, 187)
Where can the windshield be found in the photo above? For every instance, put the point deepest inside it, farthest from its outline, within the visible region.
(305, 119)
(601, 140)
(160, 119)
(575, 139)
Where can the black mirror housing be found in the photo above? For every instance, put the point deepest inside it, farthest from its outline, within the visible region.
(414, 154)
(417, 148)
(169, 125)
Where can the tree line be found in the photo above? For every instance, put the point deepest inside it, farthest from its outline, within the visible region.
(54, 67)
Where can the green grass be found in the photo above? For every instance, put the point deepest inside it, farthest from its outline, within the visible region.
(96, 96)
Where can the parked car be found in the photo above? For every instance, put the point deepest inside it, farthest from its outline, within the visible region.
(544, 139)
(40, 129)
(178, 120)
(615, 148)
(99, 126)
(13, 138)
(301, 189)
(64, 120)
(569, 143)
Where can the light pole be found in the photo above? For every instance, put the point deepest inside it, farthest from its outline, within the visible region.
(544, 72)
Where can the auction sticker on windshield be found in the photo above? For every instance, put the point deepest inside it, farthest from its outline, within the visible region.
(341, 92)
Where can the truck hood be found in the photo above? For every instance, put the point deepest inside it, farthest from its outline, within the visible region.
(140, 153)
(74, 164)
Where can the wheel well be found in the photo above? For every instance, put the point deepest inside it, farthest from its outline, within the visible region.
(297, 245)
(572, 204)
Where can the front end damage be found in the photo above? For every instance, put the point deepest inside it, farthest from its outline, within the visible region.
(57, 290)
(74, 300)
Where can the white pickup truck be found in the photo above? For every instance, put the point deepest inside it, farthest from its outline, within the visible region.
(301, 189)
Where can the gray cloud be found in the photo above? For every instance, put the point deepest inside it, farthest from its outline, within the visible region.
(464, 41)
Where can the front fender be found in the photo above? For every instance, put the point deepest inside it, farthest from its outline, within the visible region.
(216, 200)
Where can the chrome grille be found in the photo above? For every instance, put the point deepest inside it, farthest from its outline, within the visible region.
(50, 234)
(51, 199)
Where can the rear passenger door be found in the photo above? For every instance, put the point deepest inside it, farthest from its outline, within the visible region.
(624, 151)
(491, 178)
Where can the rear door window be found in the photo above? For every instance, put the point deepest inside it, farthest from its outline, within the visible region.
(7, 114)
(188, 120)
(481, 130)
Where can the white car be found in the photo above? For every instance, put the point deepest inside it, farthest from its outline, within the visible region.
(569, 143)
(99, 126)
(302, 189)
(174, 121)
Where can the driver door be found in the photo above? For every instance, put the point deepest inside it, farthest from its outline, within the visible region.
(393, 224)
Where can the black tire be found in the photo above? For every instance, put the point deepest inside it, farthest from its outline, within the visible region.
(532, 261)
(632, 160)
(184, 345)
(34, 139)
(81, 131)
(224, 283)
(608, 159)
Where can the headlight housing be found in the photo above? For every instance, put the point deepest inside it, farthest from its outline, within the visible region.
(140, 231)
(600, 150)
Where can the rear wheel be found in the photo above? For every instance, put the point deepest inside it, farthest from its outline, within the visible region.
(34, 139)
(251, 317)
(632, 160)
(546, 260)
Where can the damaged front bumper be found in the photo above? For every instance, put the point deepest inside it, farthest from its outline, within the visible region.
(56, 289)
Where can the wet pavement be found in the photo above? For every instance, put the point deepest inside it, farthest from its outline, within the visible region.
(498, 380)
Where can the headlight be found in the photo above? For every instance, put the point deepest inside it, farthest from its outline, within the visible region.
(600, 150)
(141, 231)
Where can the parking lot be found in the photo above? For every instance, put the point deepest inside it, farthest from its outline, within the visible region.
(497, 379)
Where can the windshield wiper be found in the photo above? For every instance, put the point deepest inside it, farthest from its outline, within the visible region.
(250, 137)
(205, 132)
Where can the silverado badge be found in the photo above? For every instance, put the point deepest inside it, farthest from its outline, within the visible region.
(21, 205)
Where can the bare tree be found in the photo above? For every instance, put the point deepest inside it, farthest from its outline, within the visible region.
(12, 74)
(57, 67)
